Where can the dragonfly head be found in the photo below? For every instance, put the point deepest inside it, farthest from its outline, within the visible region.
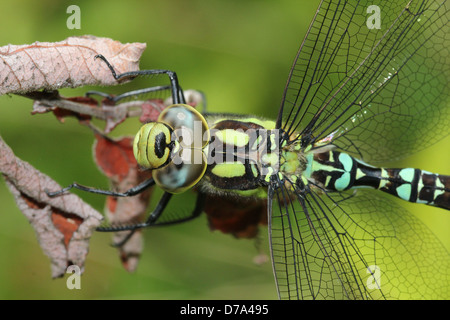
(173, 148)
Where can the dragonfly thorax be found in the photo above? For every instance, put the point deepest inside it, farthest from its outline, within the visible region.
(293, 162)
(242, 156)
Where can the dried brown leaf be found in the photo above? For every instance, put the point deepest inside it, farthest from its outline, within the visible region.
(69, 63)
(63, 225)
(115, 159)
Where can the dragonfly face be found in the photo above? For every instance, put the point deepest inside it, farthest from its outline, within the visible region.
(173, 148)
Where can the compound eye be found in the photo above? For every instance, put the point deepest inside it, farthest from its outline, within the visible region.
(188, 124)
(184, 172)
(152, 145)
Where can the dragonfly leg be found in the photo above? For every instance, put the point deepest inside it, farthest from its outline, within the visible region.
(123, 241)
(130, 192)
(99, 93)
(128, 94)
(198, 209)
(177, 92)
(152, 219)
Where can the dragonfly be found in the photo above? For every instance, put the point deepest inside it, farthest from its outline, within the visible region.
(367, 86)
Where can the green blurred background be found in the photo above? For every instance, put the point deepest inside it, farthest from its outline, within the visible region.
(238, 53)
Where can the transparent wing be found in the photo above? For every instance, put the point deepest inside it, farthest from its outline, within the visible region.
(351, 246)
(366, 87)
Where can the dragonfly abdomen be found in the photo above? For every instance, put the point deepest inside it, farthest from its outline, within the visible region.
(416, 185)
(337, 171)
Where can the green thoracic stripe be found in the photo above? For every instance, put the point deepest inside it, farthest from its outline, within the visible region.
(233, 137)
(229, 169)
